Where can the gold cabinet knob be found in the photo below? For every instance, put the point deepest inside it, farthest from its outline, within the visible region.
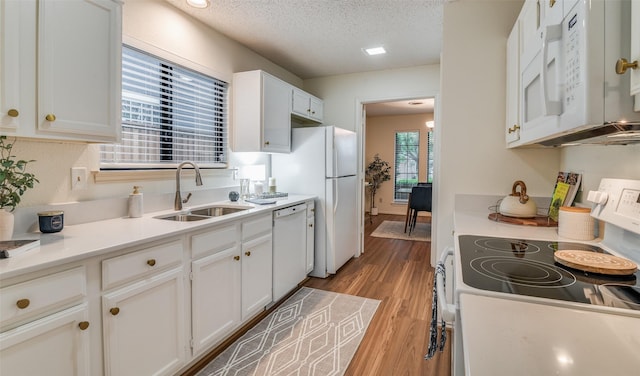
(237, 258)
(266, 142)
(13, 112)
(114, 311)
(23, 303)
(50, 117)
(622, 65)
(151, 262)
(247, 253)
(552, 3)
(83, 325)
(310, 224)
(514, 128)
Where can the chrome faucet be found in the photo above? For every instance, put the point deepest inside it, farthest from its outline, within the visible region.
(177, 205)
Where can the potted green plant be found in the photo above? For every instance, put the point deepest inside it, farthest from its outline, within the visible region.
(377, 173)
(15, 182)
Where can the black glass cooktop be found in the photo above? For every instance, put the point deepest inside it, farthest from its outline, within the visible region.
(527, 267)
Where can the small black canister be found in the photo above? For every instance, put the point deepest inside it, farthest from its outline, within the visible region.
(51, 221)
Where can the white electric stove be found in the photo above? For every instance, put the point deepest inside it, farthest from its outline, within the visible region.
(517, 311)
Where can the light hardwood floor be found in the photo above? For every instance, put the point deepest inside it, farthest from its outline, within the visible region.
(397, 272)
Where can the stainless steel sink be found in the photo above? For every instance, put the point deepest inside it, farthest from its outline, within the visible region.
(216, 211)
(184, 217)
(203, 213)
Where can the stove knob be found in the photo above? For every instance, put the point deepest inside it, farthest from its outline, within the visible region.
(598, 197)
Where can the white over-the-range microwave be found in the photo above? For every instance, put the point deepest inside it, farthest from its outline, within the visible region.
(569, 83)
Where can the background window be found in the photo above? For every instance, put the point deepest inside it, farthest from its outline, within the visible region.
(406, 164)
(169, 114)
(430, 157)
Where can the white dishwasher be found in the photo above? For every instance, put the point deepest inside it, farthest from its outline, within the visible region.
(289, 249)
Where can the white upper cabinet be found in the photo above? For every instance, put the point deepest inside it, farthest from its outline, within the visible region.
(263, 107)
(306, 107)
(67, 82)
(261, 113)
(512, 123)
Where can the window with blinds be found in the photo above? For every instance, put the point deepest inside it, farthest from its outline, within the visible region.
(407, 158)
(169, 114)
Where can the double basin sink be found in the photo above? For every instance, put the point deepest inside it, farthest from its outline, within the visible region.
(203, 213)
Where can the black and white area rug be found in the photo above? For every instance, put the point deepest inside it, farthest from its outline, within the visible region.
(313, 333)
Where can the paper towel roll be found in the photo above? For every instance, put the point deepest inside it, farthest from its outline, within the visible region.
(575, 223)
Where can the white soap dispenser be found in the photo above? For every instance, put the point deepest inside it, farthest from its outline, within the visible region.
(135, 203)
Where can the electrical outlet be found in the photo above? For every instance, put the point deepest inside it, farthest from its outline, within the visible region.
(78, 178)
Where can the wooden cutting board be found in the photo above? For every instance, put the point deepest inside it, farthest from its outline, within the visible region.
(539, 221)
(595, 262)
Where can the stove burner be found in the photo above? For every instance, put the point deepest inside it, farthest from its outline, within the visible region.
(522, 272)
(517, 247)
(621, 296)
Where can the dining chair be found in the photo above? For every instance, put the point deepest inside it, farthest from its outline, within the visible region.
(420, 200)
(409, 214)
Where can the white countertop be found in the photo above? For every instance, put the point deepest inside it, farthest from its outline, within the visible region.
(86, 240)
(504, 335)
(519, 338)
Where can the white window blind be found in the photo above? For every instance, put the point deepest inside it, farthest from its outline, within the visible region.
(406, 164)
(169, 114)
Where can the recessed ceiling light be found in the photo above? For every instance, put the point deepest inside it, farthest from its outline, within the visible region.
(375, 51)
(198, 3)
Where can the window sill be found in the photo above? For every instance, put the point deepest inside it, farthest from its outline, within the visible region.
(115, 176)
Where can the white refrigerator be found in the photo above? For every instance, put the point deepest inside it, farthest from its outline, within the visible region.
(323, 162)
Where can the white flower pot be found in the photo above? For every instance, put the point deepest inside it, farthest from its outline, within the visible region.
(374, 211)
(6, 224)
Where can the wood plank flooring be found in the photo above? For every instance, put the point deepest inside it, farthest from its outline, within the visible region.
(397, 272)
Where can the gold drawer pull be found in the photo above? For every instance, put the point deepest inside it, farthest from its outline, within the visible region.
(151, 262)
(50, 117)
(23, 303)
(248, 253)
(13, 112)
(114, 311)
(622, 65)
(83, 325)
(237, 258)
(266, 142)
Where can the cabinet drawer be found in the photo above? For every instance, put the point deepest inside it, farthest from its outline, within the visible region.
(215, 240)
(42, 295)
(138, 264)
(254, 227)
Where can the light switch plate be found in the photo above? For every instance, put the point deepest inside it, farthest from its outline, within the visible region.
(78, 178)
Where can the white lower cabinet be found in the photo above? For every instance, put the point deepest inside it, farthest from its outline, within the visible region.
(257, 275)
(144, 326)
(56, 345)
(215, 286)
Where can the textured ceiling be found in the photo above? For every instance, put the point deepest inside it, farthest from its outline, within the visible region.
(317, 38)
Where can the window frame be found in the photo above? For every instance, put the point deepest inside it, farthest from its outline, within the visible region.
(395, 159)
(187, 64)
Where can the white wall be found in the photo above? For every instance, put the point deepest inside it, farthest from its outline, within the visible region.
(472, 156)
(159, 24)
(595, 162)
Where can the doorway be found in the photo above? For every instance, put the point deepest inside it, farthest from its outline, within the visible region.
(382, 125)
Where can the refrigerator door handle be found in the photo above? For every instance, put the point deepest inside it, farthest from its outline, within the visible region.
(336, 197)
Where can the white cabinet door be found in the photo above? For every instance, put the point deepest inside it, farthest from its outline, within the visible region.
(17, 66)
(79, 74)
(56, 345)
(261, 113)
(276, 126)
(310, 248)
(257, 275)
(306, 106)
(513, 85)
(144, 326)
(215, 291)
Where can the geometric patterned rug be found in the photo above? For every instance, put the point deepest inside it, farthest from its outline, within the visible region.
(395, 230)
(313, 333)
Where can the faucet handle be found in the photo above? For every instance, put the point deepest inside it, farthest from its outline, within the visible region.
(187, 199)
